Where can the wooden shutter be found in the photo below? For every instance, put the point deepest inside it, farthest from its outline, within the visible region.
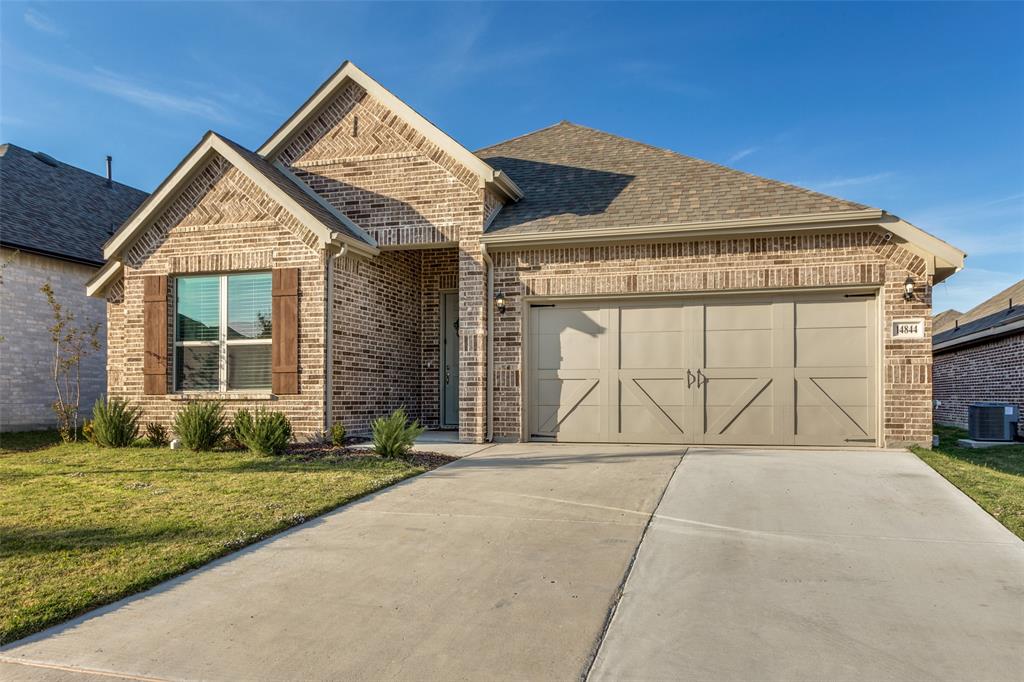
(154, 364)
(285, 334)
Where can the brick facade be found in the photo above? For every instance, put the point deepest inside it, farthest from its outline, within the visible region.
(221, 223)
(26, 387)
(749, 264)
(428, 213)
(988, 371)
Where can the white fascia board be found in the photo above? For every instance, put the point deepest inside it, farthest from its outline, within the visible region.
(685, 230)
(210, 145)
(103, 278)
(326, 205)
(167, 190)
(350, 72)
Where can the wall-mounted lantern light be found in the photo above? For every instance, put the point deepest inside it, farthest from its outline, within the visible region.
(908, 289)
(499, 302)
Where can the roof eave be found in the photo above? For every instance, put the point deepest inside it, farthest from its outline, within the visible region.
(107, 275)
(941, 259)
(978, 337)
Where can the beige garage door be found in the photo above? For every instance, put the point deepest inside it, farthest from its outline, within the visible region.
(746, 371)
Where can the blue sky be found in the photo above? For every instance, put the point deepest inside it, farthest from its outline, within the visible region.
(914, 108)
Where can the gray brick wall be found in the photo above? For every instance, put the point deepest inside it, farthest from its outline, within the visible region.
(26, 386)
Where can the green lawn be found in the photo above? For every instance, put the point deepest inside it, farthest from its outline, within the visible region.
(82, 526)
(992, 477)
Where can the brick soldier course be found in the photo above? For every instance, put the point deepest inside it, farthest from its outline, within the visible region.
(379, 212)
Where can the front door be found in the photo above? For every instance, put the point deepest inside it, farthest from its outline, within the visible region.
(450, 359)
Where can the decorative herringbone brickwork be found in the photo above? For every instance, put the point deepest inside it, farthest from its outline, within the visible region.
(992, 370)
(383, 174)
(221, 223)
(750, 264)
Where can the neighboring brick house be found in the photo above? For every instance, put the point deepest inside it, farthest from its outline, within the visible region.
(54, 219)
(979, 357)
(568, 284)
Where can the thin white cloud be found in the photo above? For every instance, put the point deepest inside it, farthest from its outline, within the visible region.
(657, 76)
(742, 154)
(981, 228)
(131, 90)
(850, 181)
(970, 287)
(42, 23)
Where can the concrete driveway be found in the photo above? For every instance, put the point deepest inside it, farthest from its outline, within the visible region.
(504, 564)
(758, 564)
(796, 565)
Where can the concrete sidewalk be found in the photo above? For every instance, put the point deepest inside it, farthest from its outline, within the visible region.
(797, 565)
(502, 565)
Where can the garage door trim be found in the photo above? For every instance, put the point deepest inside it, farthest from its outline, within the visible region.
(875, 346)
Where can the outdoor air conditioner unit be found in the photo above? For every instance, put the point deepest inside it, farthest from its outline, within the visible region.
(992, 421)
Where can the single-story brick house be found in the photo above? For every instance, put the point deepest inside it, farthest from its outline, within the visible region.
(567, 284)
(979, 356)
(54, 219)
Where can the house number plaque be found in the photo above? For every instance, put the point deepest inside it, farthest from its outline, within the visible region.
(908, 329)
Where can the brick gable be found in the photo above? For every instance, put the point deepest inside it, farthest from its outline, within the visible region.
(383, 174)
(220, 223)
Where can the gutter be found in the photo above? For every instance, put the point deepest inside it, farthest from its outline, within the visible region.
(870, 217)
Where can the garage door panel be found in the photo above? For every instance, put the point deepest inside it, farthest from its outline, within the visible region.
(588, 320)
(568, 350)
(636, 319)
(661, 390)
(831, 312)
(732, 348)
(738, 316)
(582, 424)
(651, 349)
(563, 391)
(825, 426)
(832, 347)
(639, 423)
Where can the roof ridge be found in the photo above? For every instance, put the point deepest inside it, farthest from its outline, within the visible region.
(65, 165)
(685, 157)
(519, 137)
(718, 166)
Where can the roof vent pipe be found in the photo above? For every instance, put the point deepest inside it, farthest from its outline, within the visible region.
(110, 171)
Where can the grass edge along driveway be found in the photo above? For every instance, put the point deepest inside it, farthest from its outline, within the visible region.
(992, 477)
(83, 526)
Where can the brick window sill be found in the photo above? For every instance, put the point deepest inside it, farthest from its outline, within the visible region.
(228, 395)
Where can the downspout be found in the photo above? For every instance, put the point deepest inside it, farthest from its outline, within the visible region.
(329, 339)
(490, 341)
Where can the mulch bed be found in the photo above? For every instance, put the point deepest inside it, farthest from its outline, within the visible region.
(309, 452)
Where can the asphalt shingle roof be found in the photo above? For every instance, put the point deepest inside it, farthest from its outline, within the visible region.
(988, 315)
(57, 209)
(575, 177)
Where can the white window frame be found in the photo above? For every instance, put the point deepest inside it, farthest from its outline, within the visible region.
(221, 343)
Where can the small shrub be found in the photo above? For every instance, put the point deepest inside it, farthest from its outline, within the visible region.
(393, 435)
(338, 433)
(242, 424)
(87, 431)
(156, 434)
(115, 422)
(263, 432)
(200, 425)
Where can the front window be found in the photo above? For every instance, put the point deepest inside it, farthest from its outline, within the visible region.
(222, 332)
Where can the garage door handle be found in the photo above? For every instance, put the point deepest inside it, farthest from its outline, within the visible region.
(700, 376)
(689, 378)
